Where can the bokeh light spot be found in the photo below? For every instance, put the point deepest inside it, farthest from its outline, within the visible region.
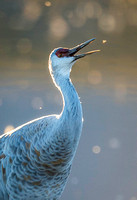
(8, 128)
(93, 9)
(89, 9)
(32, 10)
(77, 18)
(107, 23)
(48, 3)
(96, 149)
(104, 41)
(94, 77)
(114, 143)
(58, 28)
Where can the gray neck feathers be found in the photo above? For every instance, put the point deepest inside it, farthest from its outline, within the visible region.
(72, 110)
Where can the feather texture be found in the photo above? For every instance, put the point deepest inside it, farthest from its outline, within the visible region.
(37, 156)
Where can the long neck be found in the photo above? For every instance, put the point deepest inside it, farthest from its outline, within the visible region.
(72, 111)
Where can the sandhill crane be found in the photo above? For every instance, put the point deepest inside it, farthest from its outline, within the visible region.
(36, 158)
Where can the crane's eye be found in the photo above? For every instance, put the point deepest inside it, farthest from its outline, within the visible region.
(59, 55)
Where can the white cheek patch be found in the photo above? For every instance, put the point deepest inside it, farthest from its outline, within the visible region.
(61, 66)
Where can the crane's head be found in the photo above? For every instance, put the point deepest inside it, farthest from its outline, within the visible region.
(62, 59)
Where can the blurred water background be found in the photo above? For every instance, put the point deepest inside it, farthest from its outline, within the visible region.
(105, 166)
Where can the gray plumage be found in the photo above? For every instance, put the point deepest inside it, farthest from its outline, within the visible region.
(36, 158)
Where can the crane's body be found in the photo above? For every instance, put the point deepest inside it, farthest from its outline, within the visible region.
(36, 158)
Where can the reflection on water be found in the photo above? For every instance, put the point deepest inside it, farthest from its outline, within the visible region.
(105, 166)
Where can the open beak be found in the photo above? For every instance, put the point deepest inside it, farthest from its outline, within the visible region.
(74, 50)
